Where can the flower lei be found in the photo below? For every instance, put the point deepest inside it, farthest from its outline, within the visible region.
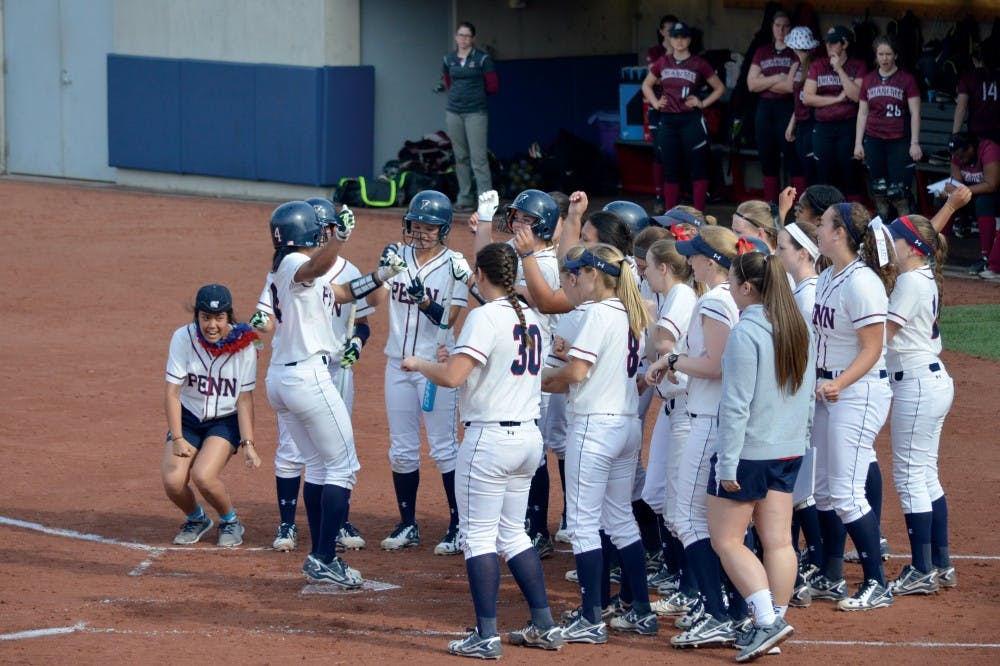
(241, 337)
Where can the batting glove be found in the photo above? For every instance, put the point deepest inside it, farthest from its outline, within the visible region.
(390, 263)
(352, 352)
(345, 224)
(488, 204)
(259, 320)
(416, 291)
(460, 268)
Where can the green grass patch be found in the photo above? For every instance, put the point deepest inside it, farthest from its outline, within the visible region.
(972, 329)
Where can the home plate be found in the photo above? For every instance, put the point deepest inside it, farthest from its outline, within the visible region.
(330, 588)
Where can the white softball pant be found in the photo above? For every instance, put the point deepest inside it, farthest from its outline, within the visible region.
(691, 513)
(639, 482)
(404, 393)
(600, 466)
(553, 424)
(288, 460)
(920, 402)
(492, 478)
(304, 397)
(844, 437)
(670, 432)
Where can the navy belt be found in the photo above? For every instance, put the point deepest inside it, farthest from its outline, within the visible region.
(502, 424)
(830, 374)
(294, 363)
(933, 367)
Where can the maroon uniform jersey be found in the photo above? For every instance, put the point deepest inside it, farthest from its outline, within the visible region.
(680, 79)
(973, 172)
(802, 112)
(652, 55)
(983, 89)
(772, 61)
(888, 110)
(828, 84)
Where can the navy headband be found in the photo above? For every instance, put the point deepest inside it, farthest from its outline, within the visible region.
(845, 215)
(903, 228)
(698, 245)
(589, 259)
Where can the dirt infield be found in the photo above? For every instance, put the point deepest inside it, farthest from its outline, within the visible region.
(94, 289)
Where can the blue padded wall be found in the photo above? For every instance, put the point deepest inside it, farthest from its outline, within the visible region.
(539, 97)
(144, 119)
(250, 121)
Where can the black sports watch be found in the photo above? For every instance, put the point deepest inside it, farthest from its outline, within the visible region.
(671, 359)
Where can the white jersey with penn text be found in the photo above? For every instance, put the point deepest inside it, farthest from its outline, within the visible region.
(717, 304)
(209, 384)
(343, 271)
(303, 314)
(804, 294)
(411, 333)
(914, 305)
(674, 317)
(506, 383)
(846, 301)
(605, 340)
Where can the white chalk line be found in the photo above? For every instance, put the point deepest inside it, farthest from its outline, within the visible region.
(81, 627)
(146, 563)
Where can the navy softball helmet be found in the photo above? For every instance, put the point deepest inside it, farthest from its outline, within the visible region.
(428, 207)
(295, 224)
(634, 215)
(539, 205)
(325, 210)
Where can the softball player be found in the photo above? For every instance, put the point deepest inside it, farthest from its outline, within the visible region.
(682, 131)
(667, 274)
(710, 255)
(756, 219)
(536, 213)
(211, 375)
(604, 437)
(417, 298)
(763, 423)
(922, 392)
(288, 460)
(852, 394)
(299, 386)
(499, 373)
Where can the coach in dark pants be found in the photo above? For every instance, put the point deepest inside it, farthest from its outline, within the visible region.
(832, 88)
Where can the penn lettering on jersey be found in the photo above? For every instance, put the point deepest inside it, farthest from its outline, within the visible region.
(212, 385)
(400, 295)
(823, 316)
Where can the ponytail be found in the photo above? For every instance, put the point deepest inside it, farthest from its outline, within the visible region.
(498, 261)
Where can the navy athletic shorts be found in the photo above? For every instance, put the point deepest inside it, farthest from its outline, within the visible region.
(756, 478)
(196, 431)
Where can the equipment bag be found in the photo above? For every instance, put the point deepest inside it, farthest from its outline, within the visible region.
(380, 192)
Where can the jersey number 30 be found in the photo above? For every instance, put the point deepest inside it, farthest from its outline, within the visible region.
(528, 359)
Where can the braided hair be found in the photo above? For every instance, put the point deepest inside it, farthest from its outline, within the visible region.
(498, 262)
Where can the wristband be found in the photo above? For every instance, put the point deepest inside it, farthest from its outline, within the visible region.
(245, 442)
(526, 254)
(361, 332)
(362, 286)
(434, 312)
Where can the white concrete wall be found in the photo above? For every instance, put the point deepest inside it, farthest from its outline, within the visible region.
(309, 33)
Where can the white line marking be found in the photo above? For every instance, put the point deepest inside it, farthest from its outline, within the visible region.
(146, 563)
(36, 633)
(917, 644)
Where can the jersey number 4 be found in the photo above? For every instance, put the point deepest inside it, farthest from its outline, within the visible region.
(528, 359)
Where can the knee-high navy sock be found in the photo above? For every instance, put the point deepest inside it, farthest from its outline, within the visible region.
(796, 531)
(288, 497)
(448, 479)
(312, 495)
(648, 526)
(752, 541)
(873, 491)
(918, 528)
(676, 550)
(588, 571)
(738, 609)
(707, 570)
(669, 556)
(406, 495)
(834, 536)
(809, 523)
(633, 557)
(538, 502)
(484, 583)
(562, 481)
(864, 533)
(939, 533)
(334, 502)
(609, 560)
(526, 569)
